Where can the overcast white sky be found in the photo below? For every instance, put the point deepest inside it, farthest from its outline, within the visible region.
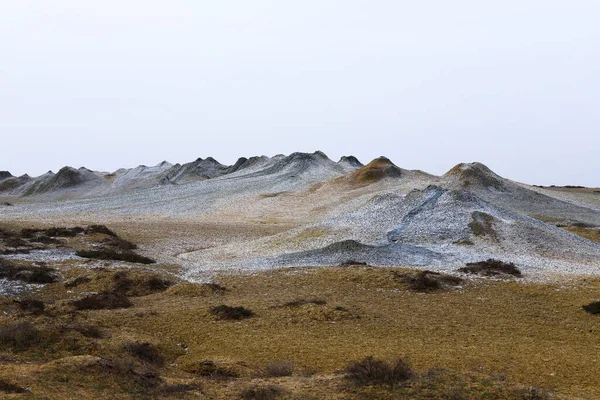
(109, 84)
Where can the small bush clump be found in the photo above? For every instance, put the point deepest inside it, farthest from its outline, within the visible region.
(32, 306)
(531, 393)
(80, 280)
(100, 229)
(210, 369)
(491, 267)
(429, 281)
(270, 392)
(115, 255)
(89, 331)
(27, 274)
(373, 371)
(8, 387)
(349, 263)
(19, 336)
(279, 368)
(224, 312)
(144, 351)
(118, 243)
(593, 307)
(102, 301)
(181, 388)
(52, 232)
(139, 286)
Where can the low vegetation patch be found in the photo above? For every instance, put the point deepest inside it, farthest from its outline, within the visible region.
(115, 255)
(350, 263)
(279, 368)
(491, 267)
(593, 307)
(144, 351)
(224, 312)
(482, 224)
(139, 285)
(80, 280)
(180, 388)
(210, 369)
(32, 306)
(102, 301)
(379, 372)
(89, 331)
(429, 281)
(265, 392)
(8, 387)
(27, 273)
(19, 336)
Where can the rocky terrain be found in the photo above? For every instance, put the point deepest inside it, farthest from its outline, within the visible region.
(325, 212)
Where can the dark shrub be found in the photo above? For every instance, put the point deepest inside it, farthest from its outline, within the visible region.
(231, 313)
(122, 283)
(279, 368)
(80, 280)
(491, 267)
(158, 284)
(428, 281)
(63, 232)
(28, 274)
(14, 241)
(19, 336)
(269, 392)
(100, 229)
(373, 371)
(89, 331)
(102, 301)
(52, 232)
(531, 393)
(138, 286)
(112, 254)
(44, 239)
(350, 263)
(181, 388)
(8, 387)
(300, 302)
(593, 307)
(210, 369)
(118, 243)
(144, 351)
(33, 306)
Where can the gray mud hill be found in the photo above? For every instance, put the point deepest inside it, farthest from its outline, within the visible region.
(315, 211)
(66, 178)
(350, 161)
(5, 175)
(489, 186)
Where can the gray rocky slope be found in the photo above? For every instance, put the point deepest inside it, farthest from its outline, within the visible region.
(336, 211)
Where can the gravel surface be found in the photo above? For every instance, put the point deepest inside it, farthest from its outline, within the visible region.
(324, 216)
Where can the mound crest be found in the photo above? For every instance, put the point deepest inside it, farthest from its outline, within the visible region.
(200, 169)
(378, 169)
(65, 178)
(5, 175)
(467, 175)
(350, 161)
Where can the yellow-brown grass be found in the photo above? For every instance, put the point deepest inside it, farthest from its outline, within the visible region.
(588, 233)
(531, 333)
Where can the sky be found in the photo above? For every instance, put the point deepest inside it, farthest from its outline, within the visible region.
(110, 84)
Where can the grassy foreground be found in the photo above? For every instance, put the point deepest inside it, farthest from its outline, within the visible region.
(484, 339)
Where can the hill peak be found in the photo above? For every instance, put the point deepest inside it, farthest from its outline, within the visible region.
(473, 174)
